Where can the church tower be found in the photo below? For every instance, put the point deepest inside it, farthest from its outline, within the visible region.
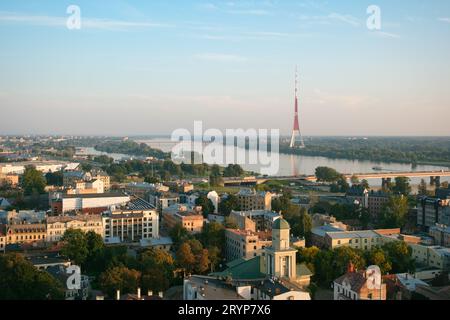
(280, 257)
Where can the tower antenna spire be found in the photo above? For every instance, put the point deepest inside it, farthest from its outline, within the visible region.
(296, 135)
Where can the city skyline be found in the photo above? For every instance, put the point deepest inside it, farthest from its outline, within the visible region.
(148, 68)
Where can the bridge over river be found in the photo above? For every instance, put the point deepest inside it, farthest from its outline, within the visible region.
(386, 177)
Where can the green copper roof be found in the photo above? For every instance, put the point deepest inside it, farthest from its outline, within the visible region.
(243, 269)
(281, 224)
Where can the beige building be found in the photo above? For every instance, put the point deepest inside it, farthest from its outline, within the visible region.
(57, 226)
(255, 220)
(431, 256)
(441, 235)
(26, 233)
(252, 200)
(191, 218)
(133, 222)
(11, 179)
(363, 240)
(90, 187)
(245, 244)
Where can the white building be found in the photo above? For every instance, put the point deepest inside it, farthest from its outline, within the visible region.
(91, 201)
(214, 197)
(135, 221)
(43, 166)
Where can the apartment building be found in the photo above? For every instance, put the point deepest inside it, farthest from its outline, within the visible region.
(57, 226)
(253, 200)
(245, 244)
(433, 211)
(255, 220)
(191, 218)
(441, 235)
(133, 222)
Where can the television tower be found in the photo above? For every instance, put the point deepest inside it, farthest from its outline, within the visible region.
(296, 135)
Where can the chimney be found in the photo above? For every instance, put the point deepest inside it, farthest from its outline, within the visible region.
(161, 295)
(118, 295)
(139, 293)
(150, 293)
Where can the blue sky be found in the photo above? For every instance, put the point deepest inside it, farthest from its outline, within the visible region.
(146, 67)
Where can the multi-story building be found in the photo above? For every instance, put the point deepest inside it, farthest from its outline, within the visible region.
(191, 218)
(57, 226)
(431, 256)
(26, 233)
(433, 211)
(318, 234)
(245, 244)
(87, 187)
(43, 166)
(87, 203)
(163, 200)
(376, 202)
(253, 200)
(440, 234)
(359, 195)
(132, 222)
(255, 220)
(357, 285)
(98, 174)
(70, 178)
(364, 240)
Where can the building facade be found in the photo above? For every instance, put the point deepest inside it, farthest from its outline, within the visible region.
(57, 226)
(252, 200)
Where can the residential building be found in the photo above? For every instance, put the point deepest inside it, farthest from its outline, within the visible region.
(70, 178)
(87, 187)
(253, 200)
(45, 261)
(255, 220)
(318, 234)
(431, 256)
(245, 244)
(4, 203)
(358, 285)
(191, 218)
(433, 211)
(376, 202)
(161, 243)
(131, 222)
(319, 220)
(26, 233)
(57, 226)
(434, 293)
(364, 240)
(441, 235)
(163, 200)
(98, 174)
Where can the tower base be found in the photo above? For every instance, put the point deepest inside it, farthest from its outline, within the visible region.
(297, 137)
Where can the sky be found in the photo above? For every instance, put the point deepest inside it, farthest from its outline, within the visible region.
(150, 67)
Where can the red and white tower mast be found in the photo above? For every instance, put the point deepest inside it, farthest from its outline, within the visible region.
(296, 135)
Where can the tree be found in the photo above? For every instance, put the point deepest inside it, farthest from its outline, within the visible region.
(75, 246)
(365, 184)
(33, 181)
(229, 204)
(206, 204)
(215, 181)
(400, 255)
(394, 213)
(20, 280)
(233, 170)
(282, 203)
(203, 262)
(301, 224)
(178, 234)
(213, 234)
(185, 258)
(155, 280)
(157, 268)
(214, 257)
(307, 256)
(377, 256)
(354, 180)
(326, 174)
(423, 191)
(119, 278)
(402, 186)
(215, 170)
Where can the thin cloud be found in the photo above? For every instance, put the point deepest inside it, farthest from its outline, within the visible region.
(444, 20)
(220, 57)
(89, 23)
(387, 35)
